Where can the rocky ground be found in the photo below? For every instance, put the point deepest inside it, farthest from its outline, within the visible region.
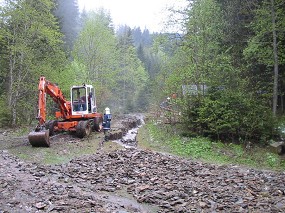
(136, 180)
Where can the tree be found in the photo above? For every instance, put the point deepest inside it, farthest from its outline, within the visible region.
(266, 50)
(68, 15)
(200, 60)
(32, 47)
(132, 73)
(275, 54)
(137, 36)
(95, 48)
(214, 99)
(238, 15)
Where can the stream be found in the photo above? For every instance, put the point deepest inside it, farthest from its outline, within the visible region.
(129, 139)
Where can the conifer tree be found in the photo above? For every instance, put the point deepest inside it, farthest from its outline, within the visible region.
(67, 13)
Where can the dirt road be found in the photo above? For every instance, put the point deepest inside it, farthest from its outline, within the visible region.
(135, 180)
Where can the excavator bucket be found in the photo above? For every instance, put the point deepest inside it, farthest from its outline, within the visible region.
(39, 139)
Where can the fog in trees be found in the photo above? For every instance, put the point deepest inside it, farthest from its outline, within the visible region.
(67, 12)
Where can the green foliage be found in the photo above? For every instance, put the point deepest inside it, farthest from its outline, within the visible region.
(237, 16)
(32, 47)
(95, 48)
(132, 76)
(195, 147)
(144, 97)
(265, 49)
(163, 139)
(199, 60)
(260, 45)
(5, 115)
(230, 115)
(271, 159)
(95, 54)
(232, 100)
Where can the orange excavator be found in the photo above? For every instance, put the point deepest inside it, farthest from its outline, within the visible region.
(78, 115)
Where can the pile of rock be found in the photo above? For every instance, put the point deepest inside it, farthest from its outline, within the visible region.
(167, 184)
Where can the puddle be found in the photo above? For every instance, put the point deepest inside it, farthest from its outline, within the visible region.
(129, 204)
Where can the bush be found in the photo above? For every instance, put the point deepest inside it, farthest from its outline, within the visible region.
(230, 115)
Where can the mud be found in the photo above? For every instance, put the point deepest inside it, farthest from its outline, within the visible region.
(134, 180)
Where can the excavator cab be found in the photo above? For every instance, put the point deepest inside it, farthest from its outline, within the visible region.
(83, 100)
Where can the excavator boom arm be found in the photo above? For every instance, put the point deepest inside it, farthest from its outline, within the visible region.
(45, 87)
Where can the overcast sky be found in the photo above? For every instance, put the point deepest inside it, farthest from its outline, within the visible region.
(148, 14)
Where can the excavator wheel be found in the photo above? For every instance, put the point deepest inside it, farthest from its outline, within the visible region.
(97, 123)
(50, 126)
(83, 129)
(39, 139)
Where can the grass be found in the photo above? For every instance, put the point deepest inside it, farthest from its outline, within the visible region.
(63, 150)
(161, 138)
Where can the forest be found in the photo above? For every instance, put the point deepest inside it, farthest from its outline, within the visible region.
(224, 69)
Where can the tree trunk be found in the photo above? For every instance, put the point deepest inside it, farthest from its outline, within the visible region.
(275, 53)
(12, 64)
